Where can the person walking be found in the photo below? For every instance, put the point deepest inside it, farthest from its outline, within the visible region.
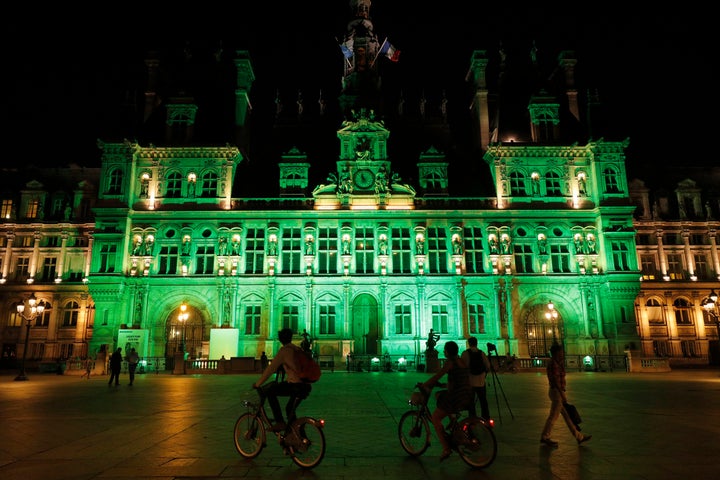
(479, 365)
(458, 395)
(291, 386)
(88, 368)
(133, 359)
(558, 397)
(115, 366)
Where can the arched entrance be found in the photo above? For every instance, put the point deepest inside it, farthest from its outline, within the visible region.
(543, 327)
(184, 331)
(366, 330)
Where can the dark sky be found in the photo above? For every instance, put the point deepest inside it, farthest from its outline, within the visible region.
(63, 68)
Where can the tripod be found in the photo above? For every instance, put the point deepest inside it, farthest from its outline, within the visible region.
(496, 382)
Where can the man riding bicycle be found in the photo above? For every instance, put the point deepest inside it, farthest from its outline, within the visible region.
(290, 386)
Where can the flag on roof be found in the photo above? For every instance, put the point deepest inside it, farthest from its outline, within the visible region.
(389, 51)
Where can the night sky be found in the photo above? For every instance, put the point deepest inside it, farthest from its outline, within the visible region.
(65, 78)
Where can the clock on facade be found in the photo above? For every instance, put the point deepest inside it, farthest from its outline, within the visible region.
(363, 178)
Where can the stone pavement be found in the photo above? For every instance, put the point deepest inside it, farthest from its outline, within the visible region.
(644, 426)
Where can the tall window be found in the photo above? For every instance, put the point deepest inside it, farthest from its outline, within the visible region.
(107, 258)
(654, 312)
(43, 320)
(22, 268)
(552, 184)
(473, 246)
(291, 250)
(560, 258)
(168, 260)
(702, 269)
(205, 260)
(252, 319)
(517, 184)
(174, 185)
(115, 181)
(6, 209)
(439, 315)
(649, 268)
(523, 258)
(610, 181)
(364, 250)
(33, 208)
(682, 312)
(621, 259)
(400, 250)
(476, 318)
(326, 314)
(327, 250)
(403, 319)
(70, 314)
(49, 268)
(255, 251)
(209, 185)
(675, 266)
(290, 317)
(437, 250)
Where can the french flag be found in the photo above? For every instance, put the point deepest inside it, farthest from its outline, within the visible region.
(389, 51)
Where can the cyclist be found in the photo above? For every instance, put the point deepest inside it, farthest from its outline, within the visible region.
(290, 386)
(458, 396)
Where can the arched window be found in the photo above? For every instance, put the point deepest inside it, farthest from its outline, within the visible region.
(70, 314)
(610, 181)
(552, 184)
(655, 312)
(682, 312)
(115, 181)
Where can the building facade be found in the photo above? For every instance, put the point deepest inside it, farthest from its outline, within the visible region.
(164, 250)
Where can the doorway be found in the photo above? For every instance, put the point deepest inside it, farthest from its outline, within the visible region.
(366, 331)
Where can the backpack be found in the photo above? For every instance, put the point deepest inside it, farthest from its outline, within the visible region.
(477, 364)
(307, 368)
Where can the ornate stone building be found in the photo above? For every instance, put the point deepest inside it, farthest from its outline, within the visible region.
(521, 236)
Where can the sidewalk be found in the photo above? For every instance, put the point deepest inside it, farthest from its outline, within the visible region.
(644, 426)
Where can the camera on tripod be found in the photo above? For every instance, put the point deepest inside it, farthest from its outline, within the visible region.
(491, 347)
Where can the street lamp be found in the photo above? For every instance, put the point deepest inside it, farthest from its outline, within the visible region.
(182, 318)
(551, 315)
(34, 309)
(711, 307)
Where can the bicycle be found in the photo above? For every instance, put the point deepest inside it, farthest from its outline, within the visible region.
(303, 440)
(472, 437)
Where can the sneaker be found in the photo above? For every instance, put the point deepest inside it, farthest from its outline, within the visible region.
(550, 443)
(279, 427)
(585, 438)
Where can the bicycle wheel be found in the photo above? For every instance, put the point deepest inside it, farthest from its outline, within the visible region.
(306, 442)
(249, 435)
(414, 432)
(478, 446)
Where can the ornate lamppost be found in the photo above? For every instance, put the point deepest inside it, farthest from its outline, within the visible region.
(551, 315)
(711, 307)
(29, 312)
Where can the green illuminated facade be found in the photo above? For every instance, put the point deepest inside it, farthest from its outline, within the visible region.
(367, 259)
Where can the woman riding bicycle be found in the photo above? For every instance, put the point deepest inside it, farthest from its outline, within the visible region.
(291, 386)
(458, 395)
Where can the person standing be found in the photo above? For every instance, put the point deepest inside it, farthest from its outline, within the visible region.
(115, 366)
(458, 395)
(88, 368)
(291, 386)
(556, 381)
(479, 367)
(133, 359)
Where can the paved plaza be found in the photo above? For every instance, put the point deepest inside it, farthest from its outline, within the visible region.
(644, 426)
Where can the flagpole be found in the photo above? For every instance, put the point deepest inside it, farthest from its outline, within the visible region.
(378, 52)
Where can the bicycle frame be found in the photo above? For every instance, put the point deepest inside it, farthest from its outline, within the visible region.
(303, 440)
